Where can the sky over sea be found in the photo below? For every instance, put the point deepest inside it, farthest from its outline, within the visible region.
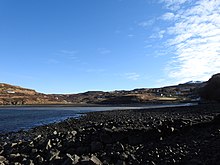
(71, 46)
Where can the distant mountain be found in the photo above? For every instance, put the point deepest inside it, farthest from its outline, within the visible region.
(15, 95)
(194, 82)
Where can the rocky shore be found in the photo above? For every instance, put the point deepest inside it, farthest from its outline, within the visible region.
(183, 135)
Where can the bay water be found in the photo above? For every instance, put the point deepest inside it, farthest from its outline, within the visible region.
(22, 118)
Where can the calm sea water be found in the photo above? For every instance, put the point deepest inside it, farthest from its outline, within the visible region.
(17, 118)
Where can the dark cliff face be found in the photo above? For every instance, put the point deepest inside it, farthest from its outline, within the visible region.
(211, 91)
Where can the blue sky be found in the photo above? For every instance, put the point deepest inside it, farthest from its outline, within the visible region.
(73, 46)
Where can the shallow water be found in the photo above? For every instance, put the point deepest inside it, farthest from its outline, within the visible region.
(17, 118)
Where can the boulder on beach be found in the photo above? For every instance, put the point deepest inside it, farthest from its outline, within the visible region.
(211, 91)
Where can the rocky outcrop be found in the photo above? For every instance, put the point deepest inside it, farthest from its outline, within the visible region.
(211, 91)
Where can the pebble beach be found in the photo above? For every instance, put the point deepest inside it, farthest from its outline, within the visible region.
(174, 135)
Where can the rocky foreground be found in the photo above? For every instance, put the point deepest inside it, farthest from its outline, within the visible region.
(184, 135)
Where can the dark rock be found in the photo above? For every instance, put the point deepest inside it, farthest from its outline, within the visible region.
(172, 129)
(48, 145)
(70, 150)
(108, 147)
(123, 156)
(121, 162)
(118, 147)
(152, 163)
(71, 159)
(17, 163)
(95, 160)
(16, 157)
(37, 138)
(56, 161)
(14, 144)
(74, 133)
(107, 138)
(194, 162)
(30, 162)
(216, 119)
(211, 91)
(34, 150)
(55, 132)
(135, 139)
(31, 144)
(40, 144)
(82, 149)
(85, 160)
(108, 130)
(96, 146)
(39, 159)
(2, 159)
(53, 154)
(133, 159)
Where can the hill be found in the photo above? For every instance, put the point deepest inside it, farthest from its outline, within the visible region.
(15, 95)
(211, 91)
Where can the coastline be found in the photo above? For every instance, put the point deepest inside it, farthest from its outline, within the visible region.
(16, 118)
(98, 105)
(153, 136)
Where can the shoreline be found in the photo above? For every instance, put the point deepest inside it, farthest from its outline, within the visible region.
(74, 112)
(96, 105)
(145, 136)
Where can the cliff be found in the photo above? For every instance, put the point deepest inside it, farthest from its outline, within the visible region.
(211, 91)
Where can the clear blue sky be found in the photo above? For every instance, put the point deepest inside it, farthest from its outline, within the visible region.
(71, 46)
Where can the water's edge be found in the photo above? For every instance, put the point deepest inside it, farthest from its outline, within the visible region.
(13, 119)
